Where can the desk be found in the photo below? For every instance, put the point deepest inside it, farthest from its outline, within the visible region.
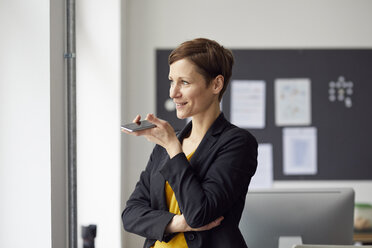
(364, 237)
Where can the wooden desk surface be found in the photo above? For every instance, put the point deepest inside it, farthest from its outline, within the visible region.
(363, 237)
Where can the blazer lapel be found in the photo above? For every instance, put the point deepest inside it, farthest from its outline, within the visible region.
(209, 140)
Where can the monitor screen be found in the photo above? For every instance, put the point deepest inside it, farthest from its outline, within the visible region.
(318, 216)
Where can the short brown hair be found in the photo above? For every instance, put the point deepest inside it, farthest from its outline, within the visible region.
(210, 58)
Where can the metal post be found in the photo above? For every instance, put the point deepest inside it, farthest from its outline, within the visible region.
(71, 116)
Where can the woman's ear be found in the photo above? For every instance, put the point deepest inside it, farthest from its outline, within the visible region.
(218, 83)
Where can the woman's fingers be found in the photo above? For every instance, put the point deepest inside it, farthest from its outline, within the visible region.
(137, 119)
(151, 118)
(211, 225)
(218, 221)
(179, 224)
(214, 223)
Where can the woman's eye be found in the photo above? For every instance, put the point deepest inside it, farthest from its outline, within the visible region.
(171, 83)
(185, 83)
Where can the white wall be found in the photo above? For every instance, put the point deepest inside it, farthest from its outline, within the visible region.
(25, 159)
(235, 24)
(98, 119)
(33, 117)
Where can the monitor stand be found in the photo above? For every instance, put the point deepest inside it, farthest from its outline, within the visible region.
(289, 242)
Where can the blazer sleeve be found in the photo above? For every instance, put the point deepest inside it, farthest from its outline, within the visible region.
(202, 200)
(138, 217)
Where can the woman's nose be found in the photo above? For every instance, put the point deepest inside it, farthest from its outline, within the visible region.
(174, 91)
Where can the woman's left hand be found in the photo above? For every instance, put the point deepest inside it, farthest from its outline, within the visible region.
(179, 224)
(163, 134)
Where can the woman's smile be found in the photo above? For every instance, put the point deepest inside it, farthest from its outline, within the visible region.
(180, 105)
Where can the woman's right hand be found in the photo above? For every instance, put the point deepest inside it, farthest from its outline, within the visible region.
(163, 134)
(179, 224)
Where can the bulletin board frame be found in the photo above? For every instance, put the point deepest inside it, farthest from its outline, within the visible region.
(344, 137)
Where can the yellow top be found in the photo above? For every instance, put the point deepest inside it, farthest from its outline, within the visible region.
(177, 241)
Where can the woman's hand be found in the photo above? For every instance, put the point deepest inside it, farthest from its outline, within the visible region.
(179, 224)
(163, 134)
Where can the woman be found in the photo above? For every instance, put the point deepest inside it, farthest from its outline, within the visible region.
(193, 189)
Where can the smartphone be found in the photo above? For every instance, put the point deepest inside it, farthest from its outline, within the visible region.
(137, 126)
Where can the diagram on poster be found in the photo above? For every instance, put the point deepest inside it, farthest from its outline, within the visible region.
(292, 102)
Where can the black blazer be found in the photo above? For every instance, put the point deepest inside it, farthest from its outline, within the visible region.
(214, 183)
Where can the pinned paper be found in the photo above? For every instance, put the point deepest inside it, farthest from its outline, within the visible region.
(248, 103)
(292, 102)
(263, 178)
(300, 151)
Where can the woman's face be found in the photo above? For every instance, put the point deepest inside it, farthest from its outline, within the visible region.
(189, 90)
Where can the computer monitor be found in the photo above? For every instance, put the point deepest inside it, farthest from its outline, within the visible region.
(318, 216)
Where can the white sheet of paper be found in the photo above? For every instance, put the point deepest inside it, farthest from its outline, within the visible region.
(263, 179)
(292, 101)
(300, 151)
(248, 103)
